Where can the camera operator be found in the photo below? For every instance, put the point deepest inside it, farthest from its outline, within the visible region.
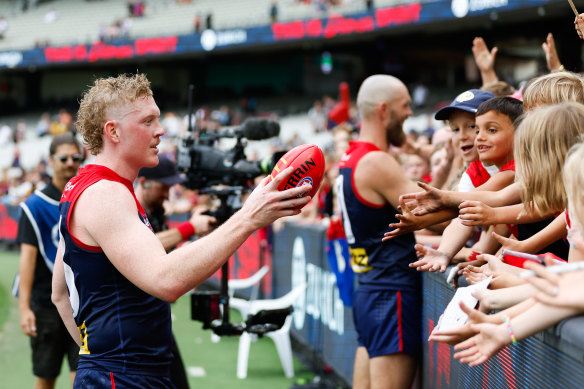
(152, 187)
(119, 278)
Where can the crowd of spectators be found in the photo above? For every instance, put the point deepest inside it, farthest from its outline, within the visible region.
(323, 6)
(539, 211)
(136, 8)
(120, 28)
(541, 205)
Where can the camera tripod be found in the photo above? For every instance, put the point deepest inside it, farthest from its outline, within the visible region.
(212, 308)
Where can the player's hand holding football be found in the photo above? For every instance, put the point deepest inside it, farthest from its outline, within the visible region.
(267, 204)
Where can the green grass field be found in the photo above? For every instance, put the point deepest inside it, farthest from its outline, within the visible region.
(217, 360)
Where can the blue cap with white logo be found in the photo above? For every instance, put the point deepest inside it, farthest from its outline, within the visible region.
(467, 101)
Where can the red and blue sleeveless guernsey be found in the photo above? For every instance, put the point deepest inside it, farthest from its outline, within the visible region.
(123, 329)
(377, 264)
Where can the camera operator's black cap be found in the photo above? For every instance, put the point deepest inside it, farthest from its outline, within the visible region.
(165, 172)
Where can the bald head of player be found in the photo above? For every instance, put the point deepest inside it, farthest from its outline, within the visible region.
(384, 105)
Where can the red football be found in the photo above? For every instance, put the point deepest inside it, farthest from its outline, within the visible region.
(308, 163)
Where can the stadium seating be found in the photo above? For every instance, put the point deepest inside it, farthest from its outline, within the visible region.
(78, 22)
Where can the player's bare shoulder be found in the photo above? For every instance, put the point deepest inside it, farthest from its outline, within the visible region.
(108, 190)
(378, 164)
(105, 199)
(380, 175)
(104, 204)
(375, 176)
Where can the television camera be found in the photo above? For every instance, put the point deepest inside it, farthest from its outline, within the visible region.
(226, 175)
(207, 166)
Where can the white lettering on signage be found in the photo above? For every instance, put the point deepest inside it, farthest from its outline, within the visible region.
(460, 8)
(210, 39)
(322, 300)
(298, 278)
(10, 59)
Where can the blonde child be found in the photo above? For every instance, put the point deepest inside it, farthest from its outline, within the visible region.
(564, 126)
(542, 142)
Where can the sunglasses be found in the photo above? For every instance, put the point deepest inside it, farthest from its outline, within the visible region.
(63, 158)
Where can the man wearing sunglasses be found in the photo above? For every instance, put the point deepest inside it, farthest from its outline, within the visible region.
(38, 237)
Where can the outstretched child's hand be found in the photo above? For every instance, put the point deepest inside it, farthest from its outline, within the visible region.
(457, 335)
(474, 274)
(559, 290)
(485, 59)
(430, 259)
(407, 222)
(428, 201)
(476, 350)
(476, 213)
(511, 243)
(551, 55)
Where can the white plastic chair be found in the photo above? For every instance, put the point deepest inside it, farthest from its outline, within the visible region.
(280, 337)
(242, 305)
(253, 282)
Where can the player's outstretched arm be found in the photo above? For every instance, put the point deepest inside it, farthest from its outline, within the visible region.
(141, 258)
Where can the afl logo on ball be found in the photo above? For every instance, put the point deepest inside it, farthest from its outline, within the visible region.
(305, 181)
